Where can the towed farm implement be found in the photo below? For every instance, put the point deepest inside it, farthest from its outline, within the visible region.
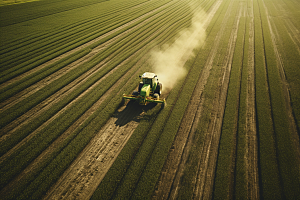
(149, 90)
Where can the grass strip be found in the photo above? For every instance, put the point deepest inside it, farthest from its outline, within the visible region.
(29, 80)
(227, 150)
(285, 152)
(186, 190)
(270, 177)
(51, 53)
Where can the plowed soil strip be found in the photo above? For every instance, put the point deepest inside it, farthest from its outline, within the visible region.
(251, 154)
(207, 163)
(91, 166)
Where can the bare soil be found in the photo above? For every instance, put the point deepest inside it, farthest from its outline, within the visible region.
(86, 172)
(251, 154)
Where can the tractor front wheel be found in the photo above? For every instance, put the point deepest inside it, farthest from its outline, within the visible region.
(135, 93)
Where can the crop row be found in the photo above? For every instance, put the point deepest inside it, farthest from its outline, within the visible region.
(117, 47)
(31, 150)
(285, 150)
(35, 10)
(228, 140)
(40, 51)
(14, 42)
(91, 80)
(277, 161)
(287, 41)
(209, 95)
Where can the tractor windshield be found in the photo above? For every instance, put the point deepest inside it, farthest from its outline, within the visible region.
(147, 81)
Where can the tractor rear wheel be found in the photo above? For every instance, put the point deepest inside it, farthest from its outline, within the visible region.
(158, 89)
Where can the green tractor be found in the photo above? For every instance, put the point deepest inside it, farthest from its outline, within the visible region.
(149, 90)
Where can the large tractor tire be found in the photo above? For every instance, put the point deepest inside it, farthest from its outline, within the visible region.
(158, 89)
(135, 93)
(156, 96)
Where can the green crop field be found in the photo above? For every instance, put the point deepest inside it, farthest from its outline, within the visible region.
(230, 71)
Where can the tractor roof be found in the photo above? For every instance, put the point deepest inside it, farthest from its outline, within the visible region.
(148, 75)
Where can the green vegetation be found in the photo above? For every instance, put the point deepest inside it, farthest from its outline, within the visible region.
(227, 149)
(10, 2)
(61, 61)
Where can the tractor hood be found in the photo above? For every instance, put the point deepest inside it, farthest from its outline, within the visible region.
(145, 91)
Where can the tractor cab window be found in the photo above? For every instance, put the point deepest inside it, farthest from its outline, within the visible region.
(147, 81)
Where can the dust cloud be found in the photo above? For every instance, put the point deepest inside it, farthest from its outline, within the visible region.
(168, 62)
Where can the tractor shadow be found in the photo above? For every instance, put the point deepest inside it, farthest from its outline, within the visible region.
(133, 111)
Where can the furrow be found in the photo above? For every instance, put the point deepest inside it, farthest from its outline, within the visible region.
(251, 154)
(189, 124)
(285, 84)
(205, 178)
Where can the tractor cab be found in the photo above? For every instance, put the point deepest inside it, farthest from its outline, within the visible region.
(149, 79)
(149, 90)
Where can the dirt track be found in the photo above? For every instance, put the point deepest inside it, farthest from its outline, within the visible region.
(85, 174)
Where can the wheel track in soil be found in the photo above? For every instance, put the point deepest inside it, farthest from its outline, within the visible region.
(169, 182)
(46, 81)
(251, 153)
(189, 121)
(34, 165)
(206, 169)
(50, 101)
(275, 38)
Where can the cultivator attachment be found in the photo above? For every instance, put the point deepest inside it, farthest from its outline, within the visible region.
(144, 100)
